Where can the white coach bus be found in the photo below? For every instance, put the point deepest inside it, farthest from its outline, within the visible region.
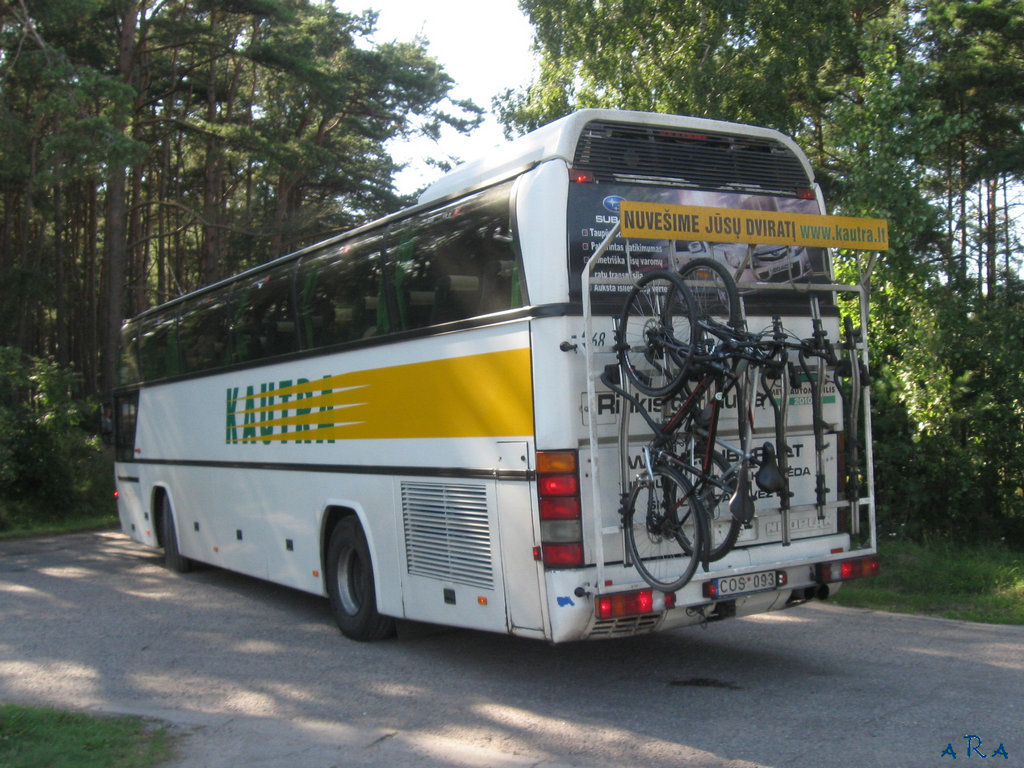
(398, 418)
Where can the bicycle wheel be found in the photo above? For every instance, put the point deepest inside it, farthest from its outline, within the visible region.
(656, 334)
(716, 486)
(714, 292)
(665, 529)
(717, 491)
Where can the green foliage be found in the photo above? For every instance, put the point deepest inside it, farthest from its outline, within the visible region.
(175, 143)
(762, 61)
(51, 466)
(970, 583)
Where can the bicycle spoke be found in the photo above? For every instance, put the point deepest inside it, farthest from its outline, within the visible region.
(665, 529)
(714, 292)
(656, 335)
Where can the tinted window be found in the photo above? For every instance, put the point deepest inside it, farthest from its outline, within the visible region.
(340, 294)
(449, 263)
(263, 323)
(455, 262)
(203, 333)
(158, 346)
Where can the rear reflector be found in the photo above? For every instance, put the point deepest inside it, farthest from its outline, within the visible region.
(562, 555)
(845, 570)
(639, 603)
(559, 508)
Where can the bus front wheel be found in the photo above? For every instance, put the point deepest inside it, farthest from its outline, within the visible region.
(350, 584)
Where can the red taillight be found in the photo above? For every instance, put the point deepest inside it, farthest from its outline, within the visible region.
(805, 193)
(561, 514)
(686, 136)
(621, 604)
(558, 485)
(844, 570)
(560, 508)
(581, 177)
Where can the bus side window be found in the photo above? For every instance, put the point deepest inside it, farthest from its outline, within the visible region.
(412, 275)
(263, 316)
(203, 333)
(501, 288)
(158, 346)
(457, 261)
(338, 293)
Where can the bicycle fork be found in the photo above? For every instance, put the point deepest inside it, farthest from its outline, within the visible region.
(741, 505)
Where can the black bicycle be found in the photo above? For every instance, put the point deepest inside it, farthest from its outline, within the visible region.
(682, 336)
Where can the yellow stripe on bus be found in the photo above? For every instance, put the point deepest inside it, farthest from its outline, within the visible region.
(485, 395)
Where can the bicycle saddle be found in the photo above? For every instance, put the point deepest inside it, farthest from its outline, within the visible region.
(769, 477)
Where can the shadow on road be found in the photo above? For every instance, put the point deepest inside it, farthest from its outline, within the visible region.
(93, 621)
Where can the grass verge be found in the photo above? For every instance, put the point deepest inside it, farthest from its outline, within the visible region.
(970, 583)
(32, 737)
(31, 528)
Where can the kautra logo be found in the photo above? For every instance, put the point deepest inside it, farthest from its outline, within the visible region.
(279, 411)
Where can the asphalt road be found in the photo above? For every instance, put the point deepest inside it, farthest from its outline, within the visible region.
(250, 674)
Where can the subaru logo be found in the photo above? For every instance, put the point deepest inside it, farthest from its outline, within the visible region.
(611, 203)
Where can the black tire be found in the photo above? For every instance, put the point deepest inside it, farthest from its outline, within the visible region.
(715, 497)
(665, 529)
(714, 292)
(657, 333)
(350, 584)
(173, 559)
(690, 447)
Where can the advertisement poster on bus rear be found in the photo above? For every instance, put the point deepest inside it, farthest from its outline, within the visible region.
(594, 209)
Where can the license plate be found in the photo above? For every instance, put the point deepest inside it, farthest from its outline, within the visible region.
(745, 584)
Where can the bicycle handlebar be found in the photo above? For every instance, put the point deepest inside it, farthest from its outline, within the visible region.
(767, 348)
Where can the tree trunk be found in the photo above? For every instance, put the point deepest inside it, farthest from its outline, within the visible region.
(116, 240)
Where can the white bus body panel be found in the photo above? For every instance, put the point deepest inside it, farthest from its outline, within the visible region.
(279, 490)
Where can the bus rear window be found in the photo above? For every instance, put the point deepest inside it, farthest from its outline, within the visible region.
(593, 212)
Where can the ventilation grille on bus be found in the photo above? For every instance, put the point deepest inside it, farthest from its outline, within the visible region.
(447, 533)
(625, 627)
(652, 155)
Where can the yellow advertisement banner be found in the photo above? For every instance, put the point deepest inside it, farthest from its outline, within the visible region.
(662, 221)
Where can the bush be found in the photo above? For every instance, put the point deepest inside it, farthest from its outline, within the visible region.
(52, 464)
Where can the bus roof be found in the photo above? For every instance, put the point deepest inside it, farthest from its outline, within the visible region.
(558, 140)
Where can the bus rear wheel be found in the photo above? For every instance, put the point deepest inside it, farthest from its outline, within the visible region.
(173, 559)
(350, 584)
